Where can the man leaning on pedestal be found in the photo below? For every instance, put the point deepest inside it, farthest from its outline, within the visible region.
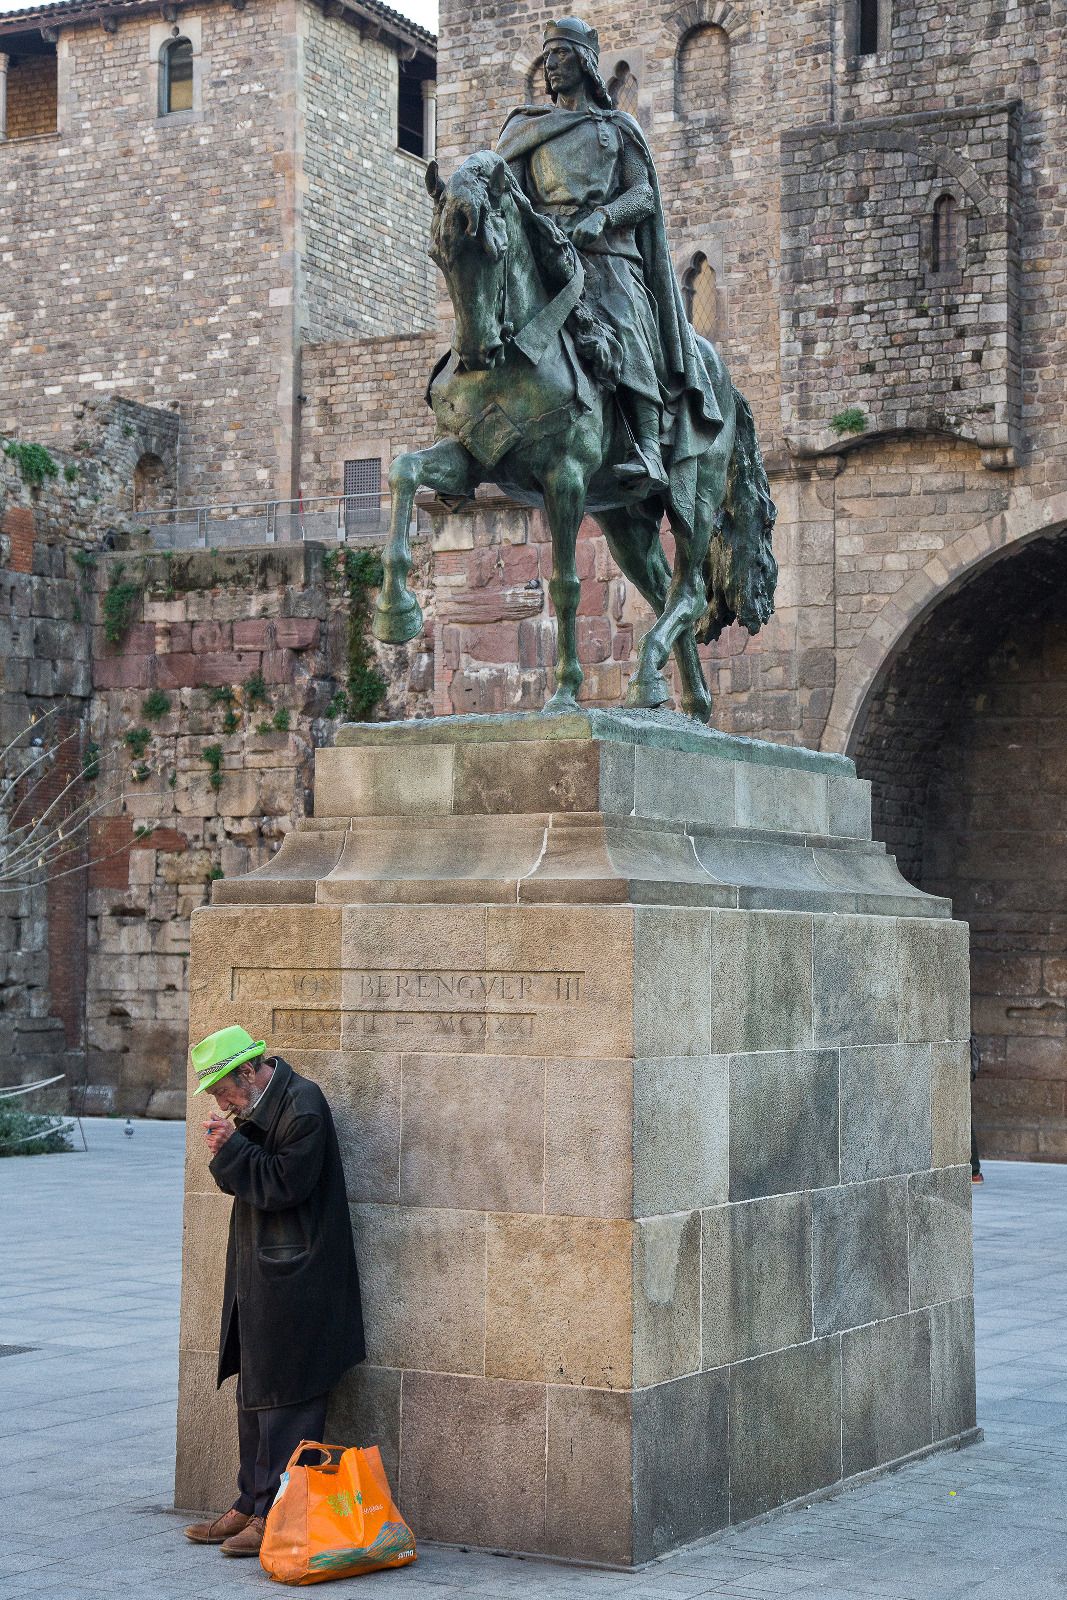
(292, 1323)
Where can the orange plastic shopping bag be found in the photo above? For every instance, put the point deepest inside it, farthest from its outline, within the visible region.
(334, 1519)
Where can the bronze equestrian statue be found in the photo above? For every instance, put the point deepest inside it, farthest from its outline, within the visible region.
(576, 381)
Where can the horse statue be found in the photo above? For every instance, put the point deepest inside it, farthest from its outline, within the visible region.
(518, 404)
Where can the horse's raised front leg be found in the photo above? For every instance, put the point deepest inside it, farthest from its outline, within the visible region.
(564, 492)
(446, 468)
(633, 539)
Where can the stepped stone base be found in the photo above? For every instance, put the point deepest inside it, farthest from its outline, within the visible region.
(651, 1077)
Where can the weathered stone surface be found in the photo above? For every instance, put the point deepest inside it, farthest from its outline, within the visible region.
(422, 1276)
(950, 1104)
(939, 1230)
(589, 1488)
(756, 1266)
(363, 1091)
(207, 1463)
(673, 954)
(365, 1409)
(590, 1143)
(666, 1298)
(681, 1133)
(783, 1122)
(797, 1448)
(453, 1154)
(952, 1397)
(859, 1254)
(761, 984)
(855, 978)
(885, 1391)
(681, 1462)
(885, 1111)
(934, 981)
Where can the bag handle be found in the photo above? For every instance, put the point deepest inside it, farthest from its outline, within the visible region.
(327, 1450)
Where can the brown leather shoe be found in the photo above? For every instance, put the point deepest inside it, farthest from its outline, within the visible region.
(220, 1530)
(248, 1541)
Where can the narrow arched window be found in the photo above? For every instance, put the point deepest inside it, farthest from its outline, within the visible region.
(944, 242)
(175, 77)
(867, 43)
(700, 291)
(702, 74)
(622, 87)
(535, 83)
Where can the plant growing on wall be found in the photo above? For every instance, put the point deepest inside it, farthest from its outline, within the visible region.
(851, 420)
(120, 598)
(212, 754)
(155, 704)
(36, 465)
(365, 686)
(137, 741)
(255, 690)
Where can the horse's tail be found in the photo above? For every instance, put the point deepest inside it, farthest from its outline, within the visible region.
(740, 571)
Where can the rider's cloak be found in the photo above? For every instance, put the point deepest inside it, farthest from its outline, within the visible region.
(690, 400)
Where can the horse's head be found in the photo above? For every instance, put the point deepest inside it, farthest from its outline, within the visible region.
(469, 242)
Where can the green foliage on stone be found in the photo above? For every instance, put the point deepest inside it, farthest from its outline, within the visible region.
(155, 704)
(365, 685)
(222, 695)
(255, 690)
(120, 598)
(851, 420)
(36, 465)
(137, 741)
(215, 874)
(70, 472)
(91, 761)
(231, 721)
(141, 772)
(30, 1133)
(212, 754)
(281, 720)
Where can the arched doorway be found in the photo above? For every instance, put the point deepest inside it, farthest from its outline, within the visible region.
(964, 737)
(153, 484)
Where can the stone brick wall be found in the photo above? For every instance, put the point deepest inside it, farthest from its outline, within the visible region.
(366, 210)
(364, 401)
(32, 88)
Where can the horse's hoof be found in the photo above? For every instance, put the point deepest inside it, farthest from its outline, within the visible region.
(698, 707)
(647, 691)
(397, 624)
(562, 700)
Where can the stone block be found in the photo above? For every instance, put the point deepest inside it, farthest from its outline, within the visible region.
(939, 1224)
(952, 1397)
(593, 944)
(761, 991)
(885, 1391)
(422, 1276)
(756, 1271)
(681, 1462)
(205, 1228)
(589, 1139)
(683, 787)
(364, 1410)
(363, 1090)
(783, 1122)
(855, 980)
(473, 1461)
(402, 781)
(859, 1254)
(934, 980)
(681, 1133)
(474, 1139)
(796, 1449)
(950, 1104)
(558, 1300)
(885, 1111)
(554, 775)
(673, 954)
(206, 1472)
(849, 807)
(774, 800)
(589, 1491)
(666, 1298)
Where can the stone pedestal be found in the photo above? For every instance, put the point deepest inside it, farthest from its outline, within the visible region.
(651, 1077)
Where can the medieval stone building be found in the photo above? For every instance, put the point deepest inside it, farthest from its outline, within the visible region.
(189, 196)
(865, 205)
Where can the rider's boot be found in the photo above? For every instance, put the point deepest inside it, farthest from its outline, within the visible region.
(645, 463)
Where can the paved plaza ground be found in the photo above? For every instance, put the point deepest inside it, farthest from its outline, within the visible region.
(90, 1248)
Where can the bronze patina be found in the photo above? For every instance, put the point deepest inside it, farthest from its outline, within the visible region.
(576, 382)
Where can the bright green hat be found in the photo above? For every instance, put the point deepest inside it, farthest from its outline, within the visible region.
(221, 1053)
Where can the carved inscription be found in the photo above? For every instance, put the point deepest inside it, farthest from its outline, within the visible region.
(293, 985)
(307, 1028)
(463, 990)
(395, 1027)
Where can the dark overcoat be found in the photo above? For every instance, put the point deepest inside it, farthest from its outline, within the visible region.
(292, 1322)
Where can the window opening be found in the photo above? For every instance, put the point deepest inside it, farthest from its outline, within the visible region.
(943, 242)
(176, 88)
(702, 74)
(622, 87)
(868, 29)
(31, 104)
(363, 493)
(700, 291)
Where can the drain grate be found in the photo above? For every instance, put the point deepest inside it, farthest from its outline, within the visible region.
(17, 1349)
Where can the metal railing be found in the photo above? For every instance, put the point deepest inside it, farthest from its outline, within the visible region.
(326, 518)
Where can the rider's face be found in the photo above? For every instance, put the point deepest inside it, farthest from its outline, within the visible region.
(563, 70)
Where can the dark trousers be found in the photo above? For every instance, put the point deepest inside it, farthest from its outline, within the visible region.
(267, 1439)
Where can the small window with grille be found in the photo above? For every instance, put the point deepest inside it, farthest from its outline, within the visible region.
(363, 494)
(700, 291)
(622, 87)
(944, 252)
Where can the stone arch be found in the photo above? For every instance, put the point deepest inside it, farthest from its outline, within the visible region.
(702, 72)
(153, 483)
(963, 735)
(904, 613)
(702, 14)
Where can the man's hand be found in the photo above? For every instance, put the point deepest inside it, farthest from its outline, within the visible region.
(216, 1132)
(589, 229)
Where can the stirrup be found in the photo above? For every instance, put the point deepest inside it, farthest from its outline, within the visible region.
(642, 466)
